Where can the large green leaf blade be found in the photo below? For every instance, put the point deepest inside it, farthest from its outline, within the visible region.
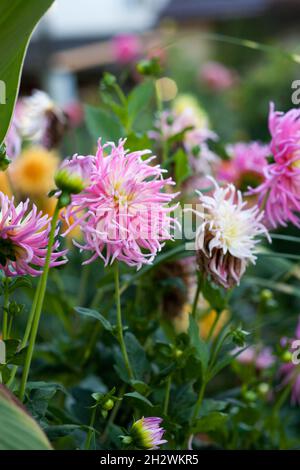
(19, 431)
(17, 21)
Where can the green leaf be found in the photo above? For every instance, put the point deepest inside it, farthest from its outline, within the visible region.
(139, 397)
(140, 387)
(61, 430)
(182, 167)
(88, 312)
(137, 141)
(40, 395)
(102, 124)
(19, 431)
(200, 346)
(212, 422)
(137, 356)
(17, 21)
(216, 296)
(139, 98)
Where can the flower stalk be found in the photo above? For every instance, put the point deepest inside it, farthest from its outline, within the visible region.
(39, 304)
(119, 323)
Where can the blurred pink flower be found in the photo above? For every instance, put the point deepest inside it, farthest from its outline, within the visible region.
(127, 214)
(217, 76)
(126, 48)
(246, 166)
(194, 138)
(261, 357)
(280, 192)
(24, 239)
(290, 372)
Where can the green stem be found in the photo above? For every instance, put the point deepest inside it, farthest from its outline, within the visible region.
(5, 308)
(83, 284)
(119, 323)
(197, 294)
(91, 430)
(213, 327)
(199, 401)
(167, 395)
(39, 305)
(27, 331)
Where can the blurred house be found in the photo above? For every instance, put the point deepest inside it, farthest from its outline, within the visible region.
(73, 43)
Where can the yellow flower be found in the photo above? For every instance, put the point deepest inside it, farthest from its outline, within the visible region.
(206, 322)
(4, 184)
(181, 322)
(32, 173)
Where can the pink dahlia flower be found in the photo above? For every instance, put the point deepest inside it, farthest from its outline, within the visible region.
(227, 236)
(126, 48)
(290, 372)
(24, 239)
(146, 433)
(280, 192)
(126, 211)
(246, 166)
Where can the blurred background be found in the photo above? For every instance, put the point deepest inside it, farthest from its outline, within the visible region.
(198, 42)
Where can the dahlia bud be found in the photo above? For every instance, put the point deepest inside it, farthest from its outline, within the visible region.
(68, 182)
(145, 434)
(226, 237)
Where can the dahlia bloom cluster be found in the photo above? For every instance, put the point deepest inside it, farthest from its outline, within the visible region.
(186, 118)
(280, 192)
(24, 239)
(126, 213)
(147, 433)
(246, 166)
(227, 236)
(290, 372)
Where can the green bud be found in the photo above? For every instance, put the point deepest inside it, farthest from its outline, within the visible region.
(109, 80)
(178, 353)
(266, 295)
(149, 67)
(263, 389)
(286, 356)
(108, 405)
(68, 182)
(250, 396)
